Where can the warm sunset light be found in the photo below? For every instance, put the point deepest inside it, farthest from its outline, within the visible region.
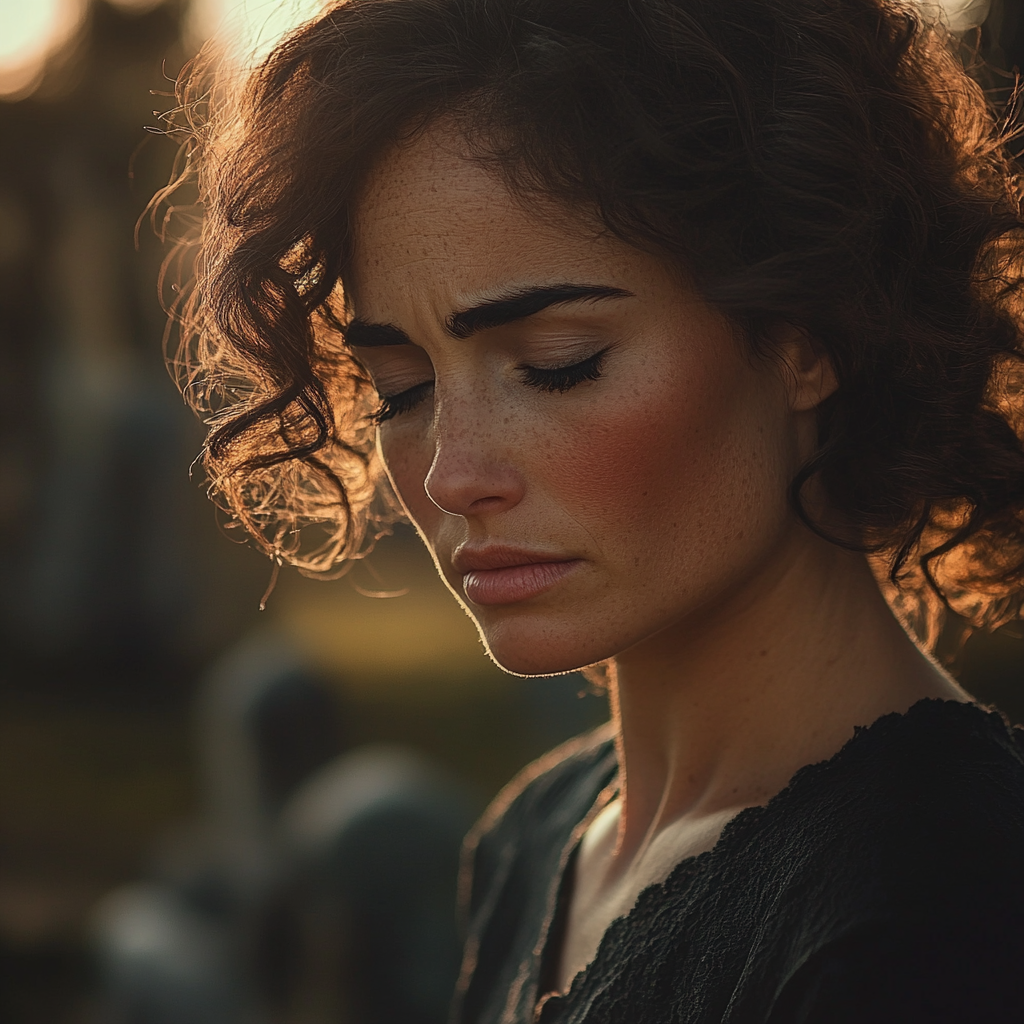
(966, 14)
(32, 30)
(248, 28)
(29, 32)
(614, 426)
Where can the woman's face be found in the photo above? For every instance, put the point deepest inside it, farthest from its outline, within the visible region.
(586, 447)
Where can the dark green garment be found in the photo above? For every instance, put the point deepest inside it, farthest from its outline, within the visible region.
(883, 885)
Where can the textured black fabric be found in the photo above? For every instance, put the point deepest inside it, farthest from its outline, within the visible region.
(883, 885)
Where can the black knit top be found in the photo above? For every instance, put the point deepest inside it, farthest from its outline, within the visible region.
(883, 885)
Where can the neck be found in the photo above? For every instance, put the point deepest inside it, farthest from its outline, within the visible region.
(717, 712)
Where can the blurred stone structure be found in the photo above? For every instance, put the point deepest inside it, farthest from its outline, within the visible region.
(318, 886)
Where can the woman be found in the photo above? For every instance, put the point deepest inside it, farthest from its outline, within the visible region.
(678, 324)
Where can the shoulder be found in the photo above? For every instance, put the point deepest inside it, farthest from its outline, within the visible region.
(909, 869)
(545, 781)
(920, 808)
(936, 763)
(884, 884)
(550, 794)
(943, 791)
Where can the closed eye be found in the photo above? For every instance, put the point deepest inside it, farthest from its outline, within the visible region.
(564, 378)
(405, 401)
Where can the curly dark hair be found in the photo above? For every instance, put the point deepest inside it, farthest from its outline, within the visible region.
(826, 164)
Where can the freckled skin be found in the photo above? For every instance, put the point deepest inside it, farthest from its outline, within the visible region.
(666, 476)
(740, 646)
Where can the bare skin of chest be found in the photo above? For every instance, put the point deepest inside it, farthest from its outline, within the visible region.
(600, 894)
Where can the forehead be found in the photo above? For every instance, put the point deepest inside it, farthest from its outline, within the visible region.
(435, 225)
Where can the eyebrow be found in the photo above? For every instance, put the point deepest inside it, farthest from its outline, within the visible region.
(505, 309)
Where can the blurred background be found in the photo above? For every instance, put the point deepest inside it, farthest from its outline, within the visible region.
(204, 808)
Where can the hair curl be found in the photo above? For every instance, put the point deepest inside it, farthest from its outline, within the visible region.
(826, 164)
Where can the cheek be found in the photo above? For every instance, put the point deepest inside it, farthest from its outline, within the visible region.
(677, 469)
(407, 460)
(607, 466)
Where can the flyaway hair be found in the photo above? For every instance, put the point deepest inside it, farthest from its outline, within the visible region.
(822, 164)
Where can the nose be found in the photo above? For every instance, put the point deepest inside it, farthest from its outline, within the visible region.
(472, 473)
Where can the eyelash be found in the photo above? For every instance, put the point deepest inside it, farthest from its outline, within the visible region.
(405, 401)
(564, 378)
(557, 380)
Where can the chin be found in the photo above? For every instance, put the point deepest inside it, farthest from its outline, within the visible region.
(542, 651)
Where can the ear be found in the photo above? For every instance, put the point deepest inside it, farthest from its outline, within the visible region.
(807, 369)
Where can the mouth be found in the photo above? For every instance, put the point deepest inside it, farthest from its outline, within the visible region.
(502, 575)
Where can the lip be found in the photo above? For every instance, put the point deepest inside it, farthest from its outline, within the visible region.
(506, 575)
